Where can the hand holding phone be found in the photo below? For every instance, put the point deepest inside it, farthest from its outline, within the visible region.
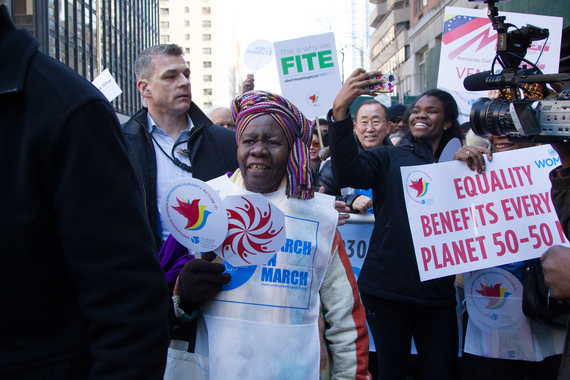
(387, 84)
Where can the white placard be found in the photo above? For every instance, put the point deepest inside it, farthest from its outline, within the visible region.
(469, 46)
(309, 72)
(195, 214)
(107, 85)
(462, 221)
(256, 230)
(258, 54)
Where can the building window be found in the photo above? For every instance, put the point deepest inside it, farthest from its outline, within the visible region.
(207, 105)
(206, 10)
(396, 60)
(164, 11)
(207, 64)
(186, 10)
(186, 23)
(207, 51)
(186, 36)
(422, 71)
(164, 25)
(164, 39)
(187, 50)
(206, 23)
(206, 37)
(207, 91)
(188, 62)
(421, 5)
(207, 78)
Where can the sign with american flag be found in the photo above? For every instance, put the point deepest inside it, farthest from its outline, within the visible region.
(469, 45)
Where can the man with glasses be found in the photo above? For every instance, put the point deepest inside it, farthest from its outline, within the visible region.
(371, 130)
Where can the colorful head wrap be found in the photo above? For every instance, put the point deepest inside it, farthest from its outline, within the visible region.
(297, 129)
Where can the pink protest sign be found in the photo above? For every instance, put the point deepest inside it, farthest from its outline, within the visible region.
(462, 221)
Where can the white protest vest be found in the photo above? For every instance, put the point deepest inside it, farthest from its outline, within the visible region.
(264, 324)
(497, 327)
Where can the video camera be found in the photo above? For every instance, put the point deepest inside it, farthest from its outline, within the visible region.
(545, 121)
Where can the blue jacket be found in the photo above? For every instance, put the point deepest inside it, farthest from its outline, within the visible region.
(390, 270)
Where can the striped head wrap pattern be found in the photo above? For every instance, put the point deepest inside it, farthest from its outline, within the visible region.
(297, 128)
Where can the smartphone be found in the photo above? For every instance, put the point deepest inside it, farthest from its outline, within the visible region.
(386, 86)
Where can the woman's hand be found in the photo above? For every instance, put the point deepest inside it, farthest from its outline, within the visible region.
(356, 85)
(473, 156)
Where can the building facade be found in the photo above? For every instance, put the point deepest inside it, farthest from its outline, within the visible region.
(203, 28)
(407, 37)
(93, 35)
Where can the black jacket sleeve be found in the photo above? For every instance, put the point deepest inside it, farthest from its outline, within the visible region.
(108, 247)
(351, 169)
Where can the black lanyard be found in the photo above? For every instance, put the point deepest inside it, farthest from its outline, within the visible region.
(171, 157)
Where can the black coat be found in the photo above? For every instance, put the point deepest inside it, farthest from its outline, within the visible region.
(81, 289)
(326, 179)
(561, 199)
(212, 152)
(390, 270)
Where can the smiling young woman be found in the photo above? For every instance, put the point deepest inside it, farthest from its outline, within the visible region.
(399, 306)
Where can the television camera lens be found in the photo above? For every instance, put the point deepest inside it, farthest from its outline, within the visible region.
(491, 117)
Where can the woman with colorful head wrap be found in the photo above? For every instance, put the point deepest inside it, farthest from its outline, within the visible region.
(268, 321)
(296, 128)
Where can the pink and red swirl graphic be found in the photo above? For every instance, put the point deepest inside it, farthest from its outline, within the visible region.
(250, 232)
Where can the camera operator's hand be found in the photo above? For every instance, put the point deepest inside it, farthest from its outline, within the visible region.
(199, 280)
(354, 86)
(473, 157)
(556, 267)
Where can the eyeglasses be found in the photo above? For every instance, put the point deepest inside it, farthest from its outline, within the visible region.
(375, 123)
(315, 144)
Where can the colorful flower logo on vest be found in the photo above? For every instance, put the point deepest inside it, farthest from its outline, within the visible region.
(493, 297)
(496, 295)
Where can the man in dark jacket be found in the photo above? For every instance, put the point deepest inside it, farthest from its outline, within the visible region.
(371, 130)
(171, 137)
(82, 294)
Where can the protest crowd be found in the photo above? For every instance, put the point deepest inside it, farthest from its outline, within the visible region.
(96, 285)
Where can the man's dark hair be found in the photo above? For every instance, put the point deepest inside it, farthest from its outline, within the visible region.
(371, 101)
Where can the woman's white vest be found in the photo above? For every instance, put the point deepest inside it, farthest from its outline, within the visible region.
(264, 324)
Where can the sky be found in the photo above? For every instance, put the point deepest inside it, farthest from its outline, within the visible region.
(284, 20)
